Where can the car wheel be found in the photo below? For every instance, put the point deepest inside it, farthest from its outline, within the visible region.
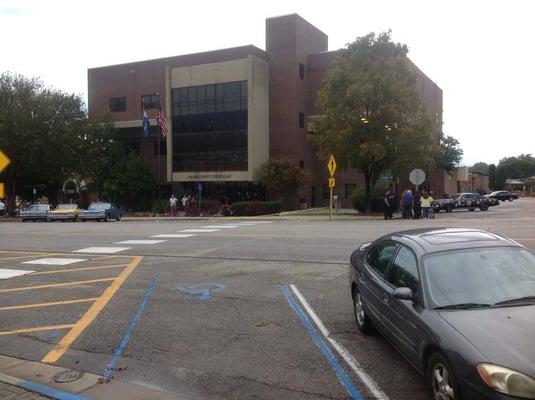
(118, 218)
(82, 219)
(107, 218)
(484, 207)
(471, 209)
(441, 379)
(510, 199)
(23, 219)
(363, 322)
(449, 209)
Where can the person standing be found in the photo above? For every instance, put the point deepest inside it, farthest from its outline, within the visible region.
(407, 203)
(172, 204)
(184, 201)
(388, 204)
(425, 202)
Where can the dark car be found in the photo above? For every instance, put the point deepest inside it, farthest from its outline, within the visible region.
(459, 304)
(101, 212)
(469, 201)
(504, 195)
(491, 201)
(35, 212)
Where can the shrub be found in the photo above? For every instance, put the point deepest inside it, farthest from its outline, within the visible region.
(358, 197)
(251, 208)
(160, 206)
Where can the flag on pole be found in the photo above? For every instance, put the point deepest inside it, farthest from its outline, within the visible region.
(160, 118)
(146, 123)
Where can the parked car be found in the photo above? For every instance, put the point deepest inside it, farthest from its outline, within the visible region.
(491, 201)
(64, 212)
(459, 304)
(469, 201)
(101, 212)
(503, 195)
(35, 212)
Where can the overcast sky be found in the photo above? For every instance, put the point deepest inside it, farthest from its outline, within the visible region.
(479, 52)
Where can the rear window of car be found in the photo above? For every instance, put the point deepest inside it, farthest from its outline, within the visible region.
(456, 237)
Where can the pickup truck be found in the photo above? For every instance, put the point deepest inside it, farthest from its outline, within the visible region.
(469, 201)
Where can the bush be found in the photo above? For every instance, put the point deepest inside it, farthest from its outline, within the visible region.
(358, 197)
(251, 208)
(161, 206)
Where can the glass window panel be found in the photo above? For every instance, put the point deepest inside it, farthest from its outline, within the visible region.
(210, 91)
(220, 93)
(192, 93)
(201, 92)
(183, 94)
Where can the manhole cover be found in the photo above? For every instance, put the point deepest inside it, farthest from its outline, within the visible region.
(67, 376)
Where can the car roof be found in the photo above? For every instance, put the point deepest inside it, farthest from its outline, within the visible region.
(431, 240)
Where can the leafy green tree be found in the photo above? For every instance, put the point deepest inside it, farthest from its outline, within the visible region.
(281, 176)
(480, 167)
(39, 130)
(450, 154)
(519, 167)
(493, 182)
(373, 119)
(128, 177)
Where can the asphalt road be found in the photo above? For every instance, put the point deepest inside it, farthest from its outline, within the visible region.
(217, 323)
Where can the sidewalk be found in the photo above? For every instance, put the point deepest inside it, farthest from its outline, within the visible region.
(21, 379)
(10, 392)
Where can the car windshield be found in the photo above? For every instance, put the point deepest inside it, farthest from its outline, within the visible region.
(480, 276)
(99, 206)
(66, 206)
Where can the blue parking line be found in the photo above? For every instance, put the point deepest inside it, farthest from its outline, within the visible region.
(49, 392)
(124, 341)
(327, 353)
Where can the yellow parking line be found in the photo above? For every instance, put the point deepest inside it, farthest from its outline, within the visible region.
(57, 271)
(54, 303)
(90, 315)
(20, 289)
(37, 329)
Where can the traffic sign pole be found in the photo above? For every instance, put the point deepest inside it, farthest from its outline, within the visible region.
(331, 166)
(331, 205)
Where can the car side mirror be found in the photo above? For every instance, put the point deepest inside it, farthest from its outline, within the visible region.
(403, 293)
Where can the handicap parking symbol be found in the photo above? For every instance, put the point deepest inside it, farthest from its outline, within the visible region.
(203, 291)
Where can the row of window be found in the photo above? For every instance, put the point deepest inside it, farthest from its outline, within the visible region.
(149, 101)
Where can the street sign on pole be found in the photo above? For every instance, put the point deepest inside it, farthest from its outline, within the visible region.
(331, 165)
(4, 161)
(2, 193)
(417, 177)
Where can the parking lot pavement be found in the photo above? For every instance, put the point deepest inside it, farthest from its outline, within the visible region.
(242, 311)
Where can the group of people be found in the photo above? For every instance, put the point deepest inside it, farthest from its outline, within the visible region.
(413, 206)
(173, 203)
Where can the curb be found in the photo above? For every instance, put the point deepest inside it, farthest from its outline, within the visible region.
(39, 388)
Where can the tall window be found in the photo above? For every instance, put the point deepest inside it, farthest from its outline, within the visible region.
(301, 120)
(301, 71)
(118, 104)
(210, 127)
(149, 101)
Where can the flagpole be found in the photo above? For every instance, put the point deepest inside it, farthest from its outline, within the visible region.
(158, 141)
(143, 150)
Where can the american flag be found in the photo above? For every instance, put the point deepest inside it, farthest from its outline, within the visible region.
(160, 118)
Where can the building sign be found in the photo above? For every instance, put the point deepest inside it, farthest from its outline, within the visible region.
(208, 177)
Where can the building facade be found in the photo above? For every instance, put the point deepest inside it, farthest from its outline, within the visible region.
(228, 111)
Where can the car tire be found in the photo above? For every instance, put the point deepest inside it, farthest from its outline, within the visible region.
(23, 219)
(471, 209)
(441, 379)
(363, 321)
(82, 219)
(118, 218)
(107, 218)
(510, 199)
(449, 209)
(484, 207)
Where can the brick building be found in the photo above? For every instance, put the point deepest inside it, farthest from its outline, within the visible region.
(228, 111)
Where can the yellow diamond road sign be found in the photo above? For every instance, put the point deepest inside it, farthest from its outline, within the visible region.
(4, 161)
(331, 165)
(2, 193)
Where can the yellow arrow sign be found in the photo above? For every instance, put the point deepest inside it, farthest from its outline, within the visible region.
(4, 161)
(332, 182)
(331, 165)
(2, 193)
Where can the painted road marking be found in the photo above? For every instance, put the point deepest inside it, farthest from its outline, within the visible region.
(173, 235)
(344, 379)
(58, 271)
(101, 250)
(199, 230)
(26, 256)
(220, 226)
(202, 290)
(124, 341)
(53, 303)
(55, 261)
(36, 329)
(90, 315)
(342, 351)
(11, 273)
(21, 289)
(140, 242)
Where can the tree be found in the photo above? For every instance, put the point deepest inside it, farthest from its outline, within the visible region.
(519, 167)
(39, 130)
(493, 179)
(281, 176)
(373, 119)
(450, 154)
(481, 167)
